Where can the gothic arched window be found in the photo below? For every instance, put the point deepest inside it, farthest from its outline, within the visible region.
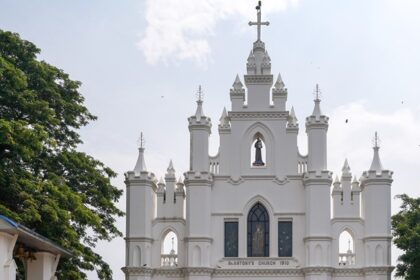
(258, 231)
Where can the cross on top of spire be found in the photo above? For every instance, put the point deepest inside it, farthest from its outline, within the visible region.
(376, 140)
(200, 94)
(141, 141)
(259, 23)
(317, 92)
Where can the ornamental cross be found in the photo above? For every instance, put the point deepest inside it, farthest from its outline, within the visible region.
(259, 23)
(141, 140)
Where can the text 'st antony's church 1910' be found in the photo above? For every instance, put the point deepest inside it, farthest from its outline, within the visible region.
(258, 209)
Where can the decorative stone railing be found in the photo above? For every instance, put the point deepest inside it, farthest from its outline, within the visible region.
(169, 259)
(302, 164)
(346, 259)
(214, 164)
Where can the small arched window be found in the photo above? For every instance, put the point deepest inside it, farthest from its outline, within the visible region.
(258, 231)
(346, 254)
(258, 151)
(169, 253)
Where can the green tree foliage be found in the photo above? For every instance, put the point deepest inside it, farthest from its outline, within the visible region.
(45, 183)
(406, 231)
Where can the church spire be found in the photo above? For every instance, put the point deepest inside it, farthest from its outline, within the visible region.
(140, 164)
(376, 162)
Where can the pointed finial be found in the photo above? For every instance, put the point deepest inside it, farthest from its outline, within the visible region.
(376, 140)
(317, 109)
(223, 119)
(317, 93)
(180, 180)
(346, 168)
(237, 84)
(140, 164)
(292, 121)
(161, 182)
(200, 94)
(355, 179)
(376, 162)
(141, 141)
(336, 179)
(171, 169)
(279, 83)
(199, 111)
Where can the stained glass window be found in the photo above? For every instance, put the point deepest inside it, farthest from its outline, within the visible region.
(231, 239)
(258, 231)
(285, 239)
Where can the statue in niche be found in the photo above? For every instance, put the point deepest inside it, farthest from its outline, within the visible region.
(258, 158)
(258, 241)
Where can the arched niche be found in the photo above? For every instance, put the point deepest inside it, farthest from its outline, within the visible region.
(196, 255)
(258, 151)
(136, 261)
(379, 255)
(247, 156)
(169, 248)
(346, 248)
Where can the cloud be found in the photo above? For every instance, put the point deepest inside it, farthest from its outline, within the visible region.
(180, 30)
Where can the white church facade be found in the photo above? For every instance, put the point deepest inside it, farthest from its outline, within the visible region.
(259, 209)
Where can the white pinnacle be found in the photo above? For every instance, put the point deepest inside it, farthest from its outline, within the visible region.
(376, 162)
(336, 180)
(292, 117)
(317, 109)
(223, 118)
(237, 84)
(199, 111)
(171, 169)
(346, 168)
(140, 164)
(279, 83)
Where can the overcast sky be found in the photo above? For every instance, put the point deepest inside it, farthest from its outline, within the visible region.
(141, 62)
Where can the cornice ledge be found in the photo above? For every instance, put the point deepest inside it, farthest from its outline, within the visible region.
(317, 269)
(377, 238)
(198, 270)
(141, 271)
(317, 238)
(258, 79)
(378, 269)
(169, 271)
(169, 220)
(347, 219)
(258, 272)
(139, 239)
(348, 272)
(259, 115)
(198, 239)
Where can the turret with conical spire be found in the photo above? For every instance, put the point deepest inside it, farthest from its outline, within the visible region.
(376, 204)
(141, 197)
(316, 128)
(200, 128)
